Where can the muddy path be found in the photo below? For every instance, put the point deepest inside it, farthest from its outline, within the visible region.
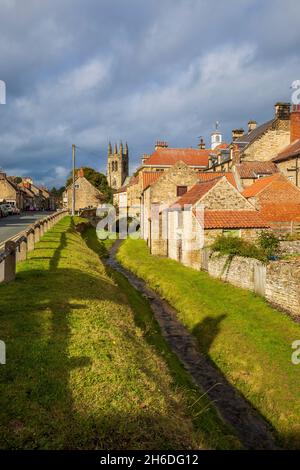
(251, 428)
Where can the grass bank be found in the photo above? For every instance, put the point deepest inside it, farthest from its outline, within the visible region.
(86, 365)
(249, 341)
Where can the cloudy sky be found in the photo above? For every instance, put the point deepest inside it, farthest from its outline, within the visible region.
(89, 71)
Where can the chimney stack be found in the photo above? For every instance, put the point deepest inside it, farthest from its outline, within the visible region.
(161, 144)
(2, 175)
(144, 158)
(237, 133)
(201, 144)
(251, 126)
(295, 123)
(80, 173)
(282, 110)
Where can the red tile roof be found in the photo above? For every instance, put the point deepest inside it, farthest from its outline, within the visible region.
(169, 156)
(260, 185)
(221, 146)
(252, 169)
(150, 177)
(281, 212)
(195, 193)
(207, 176)
(290, 151)
(232, 219)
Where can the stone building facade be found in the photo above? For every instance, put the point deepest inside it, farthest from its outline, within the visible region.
(157, 197)
(117, 165)
(209, 209)
(10, 192)
(86, 195)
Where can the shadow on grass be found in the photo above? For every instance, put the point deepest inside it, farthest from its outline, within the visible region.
(37, 409)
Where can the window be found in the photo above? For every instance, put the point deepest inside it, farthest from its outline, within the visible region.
(181, 190)
(116, 166)
(77, 186)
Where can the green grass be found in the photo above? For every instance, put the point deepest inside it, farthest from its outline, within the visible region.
(86, 366)
(248, 340)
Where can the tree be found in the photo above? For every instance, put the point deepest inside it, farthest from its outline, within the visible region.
(57, 192)
(97, 179)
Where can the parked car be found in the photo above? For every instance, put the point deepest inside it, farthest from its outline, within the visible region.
(4, 210)
(9, 207)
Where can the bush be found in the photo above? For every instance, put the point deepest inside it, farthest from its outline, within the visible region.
(269, 243)
(234, 246)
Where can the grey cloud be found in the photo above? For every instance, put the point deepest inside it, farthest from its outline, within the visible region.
(86, 71)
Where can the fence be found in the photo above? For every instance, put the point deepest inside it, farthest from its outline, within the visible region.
(16, 248)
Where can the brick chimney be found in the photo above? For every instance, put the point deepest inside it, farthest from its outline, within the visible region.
(26, 184)
(295, 123)
(237, 133)
(282, 110)
(201, 144)
(161, 144)
(2, 175)
(251, 126)
(80, 173)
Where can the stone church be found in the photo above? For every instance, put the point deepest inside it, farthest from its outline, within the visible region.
(117, 165)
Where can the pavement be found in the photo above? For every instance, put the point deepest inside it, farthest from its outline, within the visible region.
(13, 224)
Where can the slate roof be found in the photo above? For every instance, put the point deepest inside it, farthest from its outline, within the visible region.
(250, 137)
(290, 151)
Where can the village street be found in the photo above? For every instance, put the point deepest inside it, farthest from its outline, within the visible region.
(13, 224)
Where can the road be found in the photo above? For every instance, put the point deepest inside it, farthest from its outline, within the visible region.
(13, 224)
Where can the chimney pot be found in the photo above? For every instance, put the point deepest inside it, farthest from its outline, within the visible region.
(237, 133)
(161, 144)
(252, 125)
(201, 144)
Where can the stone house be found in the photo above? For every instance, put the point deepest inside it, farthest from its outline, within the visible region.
(160, 190)
(246, 173)
(278, 200)
(164, 157)
(260, 143)
(207, 210)
(86, 195)
(10, 192)
(120, 197)
(288, 160)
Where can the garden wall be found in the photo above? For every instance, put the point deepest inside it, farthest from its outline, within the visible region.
(278, 281)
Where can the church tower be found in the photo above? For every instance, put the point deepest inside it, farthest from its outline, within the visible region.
(117, 165)
(216, 137)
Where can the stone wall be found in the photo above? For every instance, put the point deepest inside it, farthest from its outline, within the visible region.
(283, 285)
(224, 196)
(290, 247)
(284, 169)
(278, 281)
(238, 271)
(270, 143)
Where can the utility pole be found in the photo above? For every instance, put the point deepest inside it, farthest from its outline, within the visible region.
(73, 174)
